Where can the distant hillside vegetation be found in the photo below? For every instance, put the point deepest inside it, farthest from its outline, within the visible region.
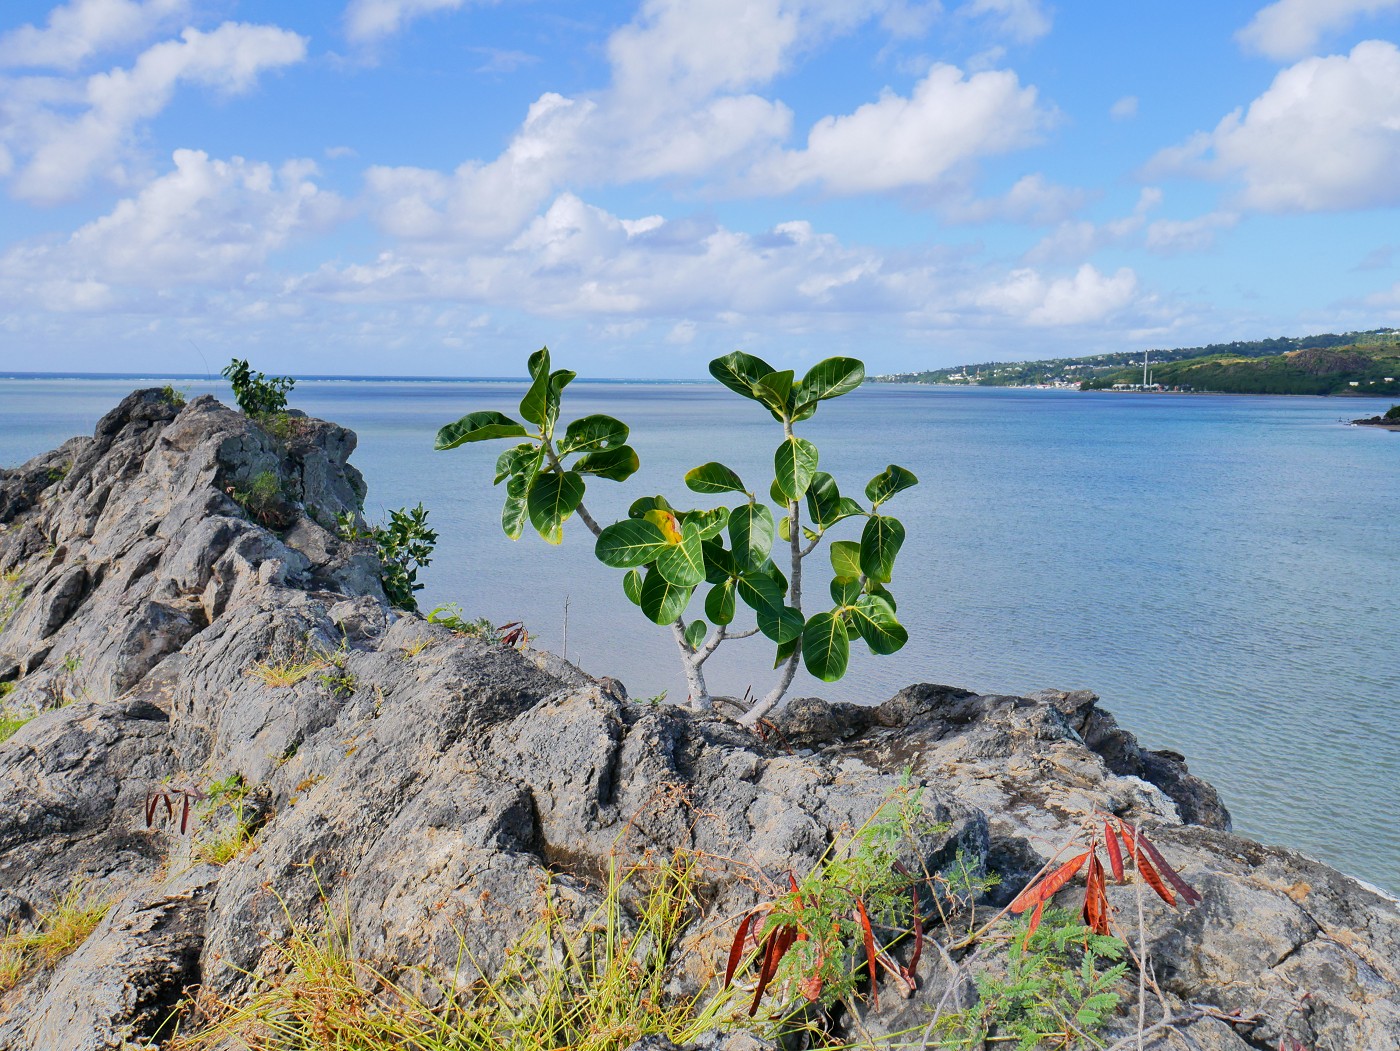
(1372, 369)
(1303, 365)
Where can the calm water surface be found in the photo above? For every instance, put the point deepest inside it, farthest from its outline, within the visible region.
(1221, 570)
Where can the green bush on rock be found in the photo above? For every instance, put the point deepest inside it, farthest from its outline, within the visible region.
(667, 552)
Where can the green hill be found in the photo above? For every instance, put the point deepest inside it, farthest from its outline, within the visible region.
(1230, 372)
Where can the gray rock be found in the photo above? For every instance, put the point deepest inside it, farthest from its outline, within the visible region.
(427, 784)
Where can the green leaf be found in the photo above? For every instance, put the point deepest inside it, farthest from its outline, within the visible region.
(643, 504)
(845, 558)
(695, 634)
(760, 591)
(822, 498)
(783, 624)
(593, 434)
(776, 494)
(879, 543)
(539, 363)
(845, 591)
(773, 573)
(632, 586)
(552, 500)
(662, 601)
(773, 390)
(535, 405)
(683, 564)
(714, 477)
(719, 563)
(617, 464)
(558, 380)
(719, 603)
(825, 648)
(891, 480)
(631, 542)
(875, 621)
(829, 379)
(478, 427)
(785, 650)
(751, 534)
(513, 516)
(740, 372)
(710, 522)
(794, 464)
(517, 460)
(874, 587)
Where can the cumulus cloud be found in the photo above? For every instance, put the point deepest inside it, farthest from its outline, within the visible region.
(899, 142)
(367, 21)
(1290, 29)
(1022, 20)
(1325, 136)
(62, 150)
(1032, 200)
(77, 31)
(1030, 297)
(1179, 236)
(1077, 239)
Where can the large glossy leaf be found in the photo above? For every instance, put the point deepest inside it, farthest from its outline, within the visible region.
(829, 379)
(552, 500)
(593, 434)
(710, 522)
(539, 363)
(662, 601)
(683, 564)
(719, 603)
(478, 427)
(845, 558)
(825, 648)
(643, 504)
(714, 477)
(750, 534)
(760, 591)
(558, 380)
(739, 372)
(632, 586)
(874, 587)
(782, 624)
(617, 464)
(823, 497)
(535, 405)
(719, 563)
(875, 621)
(773, 573)
(631, 542)
(891, 480)
(879, 543)
(514, 516)
(665, 521)
(794, 464)
(785, 650)
(518, 460)
(773, 390)
(695, 634)
(845, 591)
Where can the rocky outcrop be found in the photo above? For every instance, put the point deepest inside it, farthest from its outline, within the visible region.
(429, 781)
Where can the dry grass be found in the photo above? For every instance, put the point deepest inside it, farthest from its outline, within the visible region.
(59, 931)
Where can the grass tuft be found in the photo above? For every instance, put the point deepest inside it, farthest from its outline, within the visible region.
(59, 931)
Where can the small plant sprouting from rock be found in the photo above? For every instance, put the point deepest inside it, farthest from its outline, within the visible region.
(264, 500)
(226, 827)
(257, 394)
(173, 396)
(59, 930)
(328, 665)
(667, 552)
(11, 595)
(450, 616)
(173, 799)
(404, 546)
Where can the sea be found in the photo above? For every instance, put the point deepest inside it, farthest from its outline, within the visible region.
(1223, 571)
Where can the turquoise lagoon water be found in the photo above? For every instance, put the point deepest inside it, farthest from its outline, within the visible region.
(1222, 570)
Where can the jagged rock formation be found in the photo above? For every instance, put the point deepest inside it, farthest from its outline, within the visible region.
(429, 780)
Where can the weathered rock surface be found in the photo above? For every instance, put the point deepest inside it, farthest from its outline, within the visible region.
(429, 780)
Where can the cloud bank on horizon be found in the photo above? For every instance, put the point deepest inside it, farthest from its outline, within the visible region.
(437, 187)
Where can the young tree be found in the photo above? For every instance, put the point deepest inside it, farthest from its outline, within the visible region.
(668, 553)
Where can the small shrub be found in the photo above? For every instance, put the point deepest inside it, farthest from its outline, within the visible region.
(1393, 413)
(404, 546)
(257, 394)
(264, 500)
(450, 616)
(59, 931)
(327, 665)
(173, 396)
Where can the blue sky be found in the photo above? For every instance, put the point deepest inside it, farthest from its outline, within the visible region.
(438, 187)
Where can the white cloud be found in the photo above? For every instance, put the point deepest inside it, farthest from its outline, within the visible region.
(1022, 20)
(1079, 239)
(369, 20)
(77, 31)
(1088, 296)
(1324, 136)
(1032, 200)
(1125, 108)
(1290, 29)
(1178, 236)
(61, 153)
(900, 142)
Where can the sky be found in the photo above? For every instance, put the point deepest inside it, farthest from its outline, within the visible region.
(439, 187)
